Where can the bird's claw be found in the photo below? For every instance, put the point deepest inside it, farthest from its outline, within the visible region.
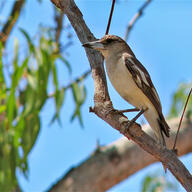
(130, 123)
(112, 110)
(123, 111)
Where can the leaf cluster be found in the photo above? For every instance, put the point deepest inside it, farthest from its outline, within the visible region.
(23, 100)
(179, 99)
(157, 183)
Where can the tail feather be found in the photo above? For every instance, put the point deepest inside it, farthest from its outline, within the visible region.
(163, 125)
(158, 124)
(162, 138)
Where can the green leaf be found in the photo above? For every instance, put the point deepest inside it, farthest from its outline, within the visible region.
(59, 98)
(2, 108)
(146, 183)
(32, 80)
(44, 66)
(77, 113)
(21, 69)
(18, 131)
(54, 72)
(157, 186)
(16, 76)
(80, 117)
(67, 64)
(2, 96)
(30, 133)
(15, 59)
(59, 95)
(76, 93)
(79, 96)
(179, 99)
(30, 44)
(83, 94)
(11, 105)
(3, 86)
(31, 98)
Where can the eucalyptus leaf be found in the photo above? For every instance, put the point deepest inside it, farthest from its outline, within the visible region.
(67, 64)
(179, 99)
(59, 99)
(29, 41)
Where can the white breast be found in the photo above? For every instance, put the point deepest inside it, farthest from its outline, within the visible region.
(122, 81)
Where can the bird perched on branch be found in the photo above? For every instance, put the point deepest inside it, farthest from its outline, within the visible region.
(132, 81)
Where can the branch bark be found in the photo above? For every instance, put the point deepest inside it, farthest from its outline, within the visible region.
(111, 164)
(103, 104)
(12, 18)
(84, 34)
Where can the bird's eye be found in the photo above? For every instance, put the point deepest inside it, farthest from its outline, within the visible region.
(109, 40)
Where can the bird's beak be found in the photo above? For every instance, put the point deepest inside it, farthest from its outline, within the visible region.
(94, 45)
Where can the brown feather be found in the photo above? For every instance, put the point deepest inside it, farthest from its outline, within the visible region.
(147, 88)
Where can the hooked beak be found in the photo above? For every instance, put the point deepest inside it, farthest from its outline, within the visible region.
(94, 45)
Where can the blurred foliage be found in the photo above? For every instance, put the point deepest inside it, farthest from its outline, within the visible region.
(179, 99)
(79, 96)
(24, 94)
(157, 183)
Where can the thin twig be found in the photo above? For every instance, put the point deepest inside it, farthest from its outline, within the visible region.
(12, 18)
(110, 17)
(174, 146)
(135, 18)
(57, 3)
(59, 24)
(77, 80)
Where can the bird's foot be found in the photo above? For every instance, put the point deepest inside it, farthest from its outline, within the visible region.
(130, 123)
(120, 112)
(123, 111)
(175, 151)
(112, 110)
(129, 110)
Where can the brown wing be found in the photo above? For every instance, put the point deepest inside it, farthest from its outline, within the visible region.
(143, 81)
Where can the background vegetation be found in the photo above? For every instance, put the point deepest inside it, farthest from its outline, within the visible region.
(30, 76)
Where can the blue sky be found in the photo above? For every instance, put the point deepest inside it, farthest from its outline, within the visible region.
(161, 40)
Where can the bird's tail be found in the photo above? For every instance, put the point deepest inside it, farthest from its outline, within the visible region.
(163, 124)
(158, 124)
(164, 128)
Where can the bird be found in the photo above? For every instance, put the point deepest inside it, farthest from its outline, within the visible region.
(132, 81)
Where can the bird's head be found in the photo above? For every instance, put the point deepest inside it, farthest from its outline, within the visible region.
(109, 44)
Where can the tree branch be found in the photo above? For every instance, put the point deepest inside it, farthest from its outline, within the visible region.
(103, 104)
(113, 163)
(12, 18)
(59, 24)
(135, 18)
(84, 34)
